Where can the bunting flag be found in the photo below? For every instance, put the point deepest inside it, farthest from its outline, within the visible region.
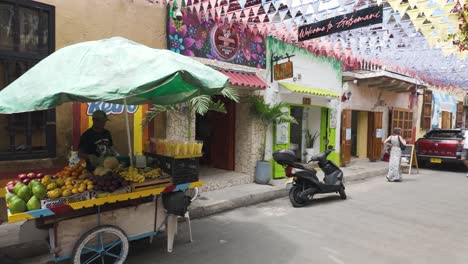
(413, 36)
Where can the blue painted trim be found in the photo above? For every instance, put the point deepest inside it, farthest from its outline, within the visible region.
(142, 236)
(41, 212)
(182, 187)
(58, 259)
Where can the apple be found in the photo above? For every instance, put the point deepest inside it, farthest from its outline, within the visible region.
(11, 183)
(22, 176)
(15, 181)
(26, 181)
(31, 175)
(10, 188)
(39, 175)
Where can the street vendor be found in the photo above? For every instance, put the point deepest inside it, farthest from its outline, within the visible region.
(96, 142)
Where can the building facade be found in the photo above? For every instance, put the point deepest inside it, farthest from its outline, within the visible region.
(42, 139)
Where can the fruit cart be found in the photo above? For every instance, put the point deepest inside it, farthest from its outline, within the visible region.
(115, 70)
(99, 230)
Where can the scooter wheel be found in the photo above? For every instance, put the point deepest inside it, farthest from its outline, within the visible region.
(342, 193)
(296, 201)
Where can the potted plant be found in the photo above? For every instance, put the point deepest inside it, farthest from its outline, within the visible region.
(309, 144)
(267, 114)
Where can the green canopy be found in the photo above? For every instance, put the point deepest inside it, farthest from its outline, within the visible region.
(113, 70)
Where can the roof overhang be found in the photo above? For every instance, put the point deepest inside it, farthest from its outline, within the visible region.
(298, 88)
(383, 79)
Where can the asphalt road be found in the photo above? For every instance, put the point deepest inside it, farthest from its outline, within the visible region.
(423, 219)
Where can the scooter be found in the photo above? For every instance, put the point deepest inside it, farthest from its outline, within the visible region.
(305, 181)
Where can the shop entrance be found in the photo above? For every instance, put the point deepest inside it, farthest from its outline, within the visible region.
(361, 135)
(217, 131)
(308, 122)
(359, 130)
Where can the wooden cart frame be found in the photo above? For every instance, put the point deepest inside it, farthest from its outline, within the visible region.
(105, 225)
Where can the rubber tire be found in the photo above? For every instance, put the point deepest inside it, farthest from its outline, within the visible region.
(342, 193)
(76, 256)
(293, 197)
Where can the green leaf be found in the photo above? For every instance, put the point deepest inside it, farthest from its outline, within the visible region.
(201, 104)
(230, 94)
(155, 110)
(217, 107)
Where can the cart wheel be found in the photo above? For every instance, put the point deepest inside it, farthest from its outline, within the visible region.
(102, 244)
(193, 193)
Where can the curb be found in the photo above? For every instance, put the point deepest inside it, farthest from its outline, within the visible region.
(200, 211)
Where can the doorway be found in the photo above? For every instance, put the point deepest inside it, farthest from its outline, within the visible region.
(446, 120)
(217, 131)
(359, 132)
(296, 131)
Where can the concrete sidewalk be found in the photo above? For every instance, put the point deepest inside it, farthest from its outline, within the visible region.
(220, 200)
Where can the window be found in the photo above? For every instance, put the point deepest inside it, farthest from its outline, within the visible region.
(438, 134)
(403, 118)
(426, 113)
(27, 36)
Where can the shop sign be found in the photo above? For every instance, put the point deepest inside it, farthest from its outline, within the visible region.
(378, 133)
(282, 133)
(283, 71)
(306, 101)
(361, 18)
(109, 108)
(226, 42)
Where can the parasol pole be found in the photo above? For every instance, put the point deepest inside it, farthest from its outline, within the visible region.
(128, 133)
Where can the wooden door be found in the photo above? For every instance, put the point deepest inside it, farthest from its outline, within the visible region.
(346, 123)
(446, 120)
(223, 137)
(374, 143)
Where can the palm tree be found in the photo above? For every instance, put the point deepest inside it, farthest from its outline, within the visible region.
(200, 105)
(268, 115)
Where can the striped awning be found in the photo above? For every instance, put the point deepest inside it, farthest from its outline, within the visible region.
(308, 90)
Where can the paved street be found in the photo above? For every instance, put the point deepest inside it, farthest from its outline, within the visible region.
(421, 220)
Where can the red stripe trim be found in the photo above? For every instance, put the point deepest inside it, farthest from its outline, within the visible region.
(61, 209)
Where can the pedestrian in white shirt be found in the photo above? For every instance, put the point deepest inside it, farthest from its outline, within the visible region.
(465, 150)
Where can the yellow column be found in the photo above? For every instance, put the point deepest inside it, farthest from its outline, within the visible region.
(138, 131)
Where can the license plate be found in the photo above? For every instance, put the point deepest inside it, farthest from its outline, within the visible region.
(289, 185)
(435, 160)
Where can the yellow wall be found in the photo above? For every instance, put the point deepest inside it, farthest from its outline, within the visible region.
(362, 134)
(84, 20)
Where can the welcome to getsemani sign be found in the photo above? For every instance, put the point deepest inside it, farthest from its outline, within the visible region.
(364, 17)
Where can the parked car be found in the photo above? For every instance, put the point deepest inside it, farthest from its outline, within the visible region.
(441, 146)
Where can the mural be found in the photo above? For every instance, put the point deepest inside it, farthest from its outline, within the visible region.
(207, 39)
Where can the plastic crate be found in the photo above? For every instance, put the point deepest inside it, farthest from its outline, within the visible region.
(182, 170)
(79, 197)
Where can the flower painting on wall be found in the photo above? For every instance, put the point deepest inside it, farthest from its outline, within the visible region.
(190, 37)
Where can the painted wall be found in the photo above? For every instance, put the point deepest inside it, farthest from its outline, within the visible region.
(309, 70)
(84, 20)
(364, 98)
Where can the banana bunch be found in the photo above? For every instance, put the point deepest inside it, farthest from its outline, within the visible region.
(132, 175)
(152, 173)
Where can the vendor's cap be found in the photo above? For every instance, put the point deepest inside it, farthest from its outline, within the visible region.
(100, 115)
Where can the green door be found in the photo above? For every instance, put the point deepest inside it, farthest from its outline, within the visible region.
(281, 141)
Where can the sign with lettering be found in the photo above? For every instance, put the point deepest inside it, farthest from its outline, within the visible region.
(306, 101)
(283, 70)
(109, 108)
(226, 42)
(361, 18)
